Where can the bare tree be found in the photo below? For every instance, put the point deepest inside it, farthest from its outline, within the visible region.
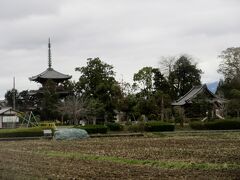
(62, 108)
(166, 64)
(230, 65)
(74, 106)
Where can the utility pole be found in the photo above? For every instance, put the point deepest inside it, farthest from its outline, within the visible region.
(14, 94)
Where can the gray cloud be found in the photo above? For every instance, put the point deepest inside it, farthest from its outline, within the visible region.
(128, 34)
(14, 9)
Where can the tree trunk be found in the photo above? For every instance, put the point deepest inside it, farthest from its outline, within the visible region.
(182, 117)
(162, 109)
(62, 119)
(181, 122)
(133, 117)
(94, 121)
(75, 120)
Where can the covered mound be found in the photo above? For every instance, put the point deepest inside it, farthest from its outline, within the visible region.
(70, 134)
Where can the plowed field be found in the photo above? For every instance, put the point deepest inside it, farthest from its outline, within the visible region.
(169, 157)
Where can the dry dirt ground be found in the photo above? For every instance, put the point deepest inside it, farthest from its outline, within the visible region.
(211, 156)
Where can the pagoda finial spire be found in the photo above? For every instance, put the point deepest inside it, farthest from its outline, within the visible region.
(49, 54)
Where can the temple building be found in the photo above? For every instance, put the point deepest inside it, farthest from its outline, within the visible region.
(200, 102)
(51, 75)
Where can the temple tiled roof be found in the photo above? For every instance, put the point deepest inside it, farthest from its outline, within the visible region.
(192, 94)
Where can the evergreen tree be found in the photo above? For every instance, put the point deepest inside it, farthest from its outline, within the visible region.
(184, 76)
(97, 81)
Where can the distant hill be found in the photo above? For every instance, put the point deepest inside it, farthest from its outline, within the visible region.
(212, 86)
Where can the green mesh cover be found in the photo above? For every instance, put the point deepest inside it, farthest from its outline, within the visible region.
(70, 134)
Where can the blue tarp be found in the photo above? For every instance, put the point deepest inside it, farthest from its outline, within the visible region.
(70, 134)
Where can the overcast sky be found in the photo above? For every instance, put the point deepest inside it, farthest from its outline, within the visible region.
(128, 34)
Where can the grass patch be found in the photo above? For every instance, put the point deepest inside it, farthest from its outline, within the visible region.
(207, 134)
(152, 163)
(154, 134)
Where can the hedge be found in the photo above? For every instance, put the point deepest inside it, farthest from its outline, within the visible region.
(153, 126)
(216, 125)
(93, 129)
(114, 126)
(21, 132)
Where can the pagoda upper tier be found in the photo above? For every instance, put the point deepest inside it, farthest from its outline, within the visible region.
(50, 73)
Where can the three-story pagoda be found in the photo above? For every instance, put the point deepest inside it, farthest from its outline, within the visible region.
(51, 75)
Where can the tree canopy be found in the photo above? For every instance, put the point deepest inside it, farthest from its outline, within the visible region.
(230, 87)
(144, 79)
(184, 76)
(98, 96)
(230, 65)
(97, 81)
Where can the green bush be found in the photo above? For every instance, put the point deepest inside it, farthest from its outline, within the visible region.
(128, 123)
(21, 132)
(194, 119)
(216, 125)
(153, 126)
(58, 123)
(197, 125)
(152, 117)
(47, 125)
(223, 125)
(93, 129)
(139, 127)
(178, 119)
(114, 126)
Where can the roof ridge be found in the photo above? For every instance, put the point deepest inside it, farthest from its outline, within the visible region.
(192, 93)
(200, 88)
(4, 109)
(194, 87)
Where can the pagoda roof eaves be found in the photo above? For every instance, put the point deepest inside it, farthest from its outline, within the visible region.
(50, 73)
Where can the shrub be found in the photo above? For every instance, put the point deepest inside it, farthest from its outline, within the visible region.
(21, 132)
(170, 121)
(178, 119)
(47, 125)
(223, 125)
(153, 126)
(197, 125)
(139, 127)
(93, 129)
(128, 123)
(152, 117)
(194, 119)
(216, 125)
(114, 126)
(58, 123)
